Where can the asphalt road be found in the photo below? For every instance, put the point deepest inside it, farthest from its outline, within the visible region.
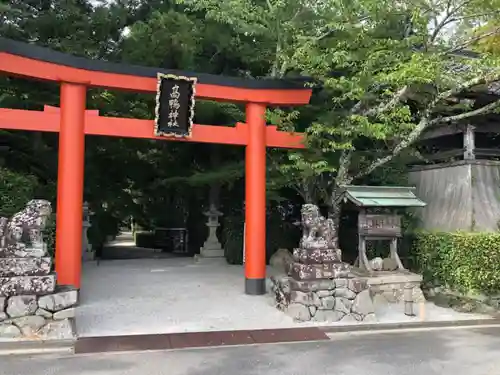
(436, 352)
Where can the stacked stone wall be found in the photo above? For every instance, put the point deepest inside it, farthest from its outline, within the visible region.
(319, 286)
(31, 306)
(47, 317)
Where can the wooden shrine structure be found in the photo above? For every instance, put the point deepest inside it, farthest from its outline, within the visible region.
(458, 173)
(176, 94)
(377, 217)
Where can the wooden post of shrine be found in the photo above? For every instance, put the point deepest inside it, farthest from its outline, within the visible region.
(255, 200)
(469, 143)
(70, 177)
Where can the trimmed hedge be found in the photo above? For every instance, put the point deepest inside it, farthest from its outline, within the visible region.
(461, 260)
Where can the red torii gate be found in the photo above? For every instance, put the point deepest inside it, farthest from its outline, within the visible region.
(73, 122)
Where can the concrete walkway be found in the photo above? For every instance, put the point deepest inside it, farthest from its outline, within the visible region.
(149, 296)
(123, 247)
(154, 296)
(443, 352)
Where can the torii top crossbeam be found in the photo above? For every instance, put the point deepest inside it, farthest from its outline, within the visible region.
(72, 120)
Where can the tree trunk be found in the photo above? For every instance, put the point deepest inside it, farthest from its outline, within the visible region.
(335, 208)
(307, 193)
(343, 178)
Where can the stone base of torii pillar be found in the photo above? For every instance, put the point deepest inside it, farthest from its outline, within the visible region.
(212, 247)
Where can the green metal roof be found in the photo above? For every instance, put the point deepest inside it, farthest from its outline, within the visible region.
(381, 196)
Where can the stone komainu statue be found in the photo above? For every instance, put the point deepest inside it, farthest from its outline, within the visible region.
(317, 232)
(27, 225)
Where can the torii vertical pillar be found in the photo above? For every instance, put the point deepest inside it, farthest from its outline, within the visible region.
(70, 177)
(255, 200)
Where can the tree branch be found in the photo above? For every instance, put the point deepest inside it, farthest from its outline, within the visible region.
(412, 137)
(476, 112)
(425, 122)
(344, 164)
(398, 96)
(448, 18)
(483, 79)
(401, 93)
(473, 40)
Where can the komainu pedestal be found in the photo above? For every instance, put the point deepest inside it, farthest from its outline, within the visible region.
(30, 305)
(319, 286)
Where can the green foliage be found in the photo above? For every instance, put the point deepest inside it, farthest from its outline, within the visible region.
(173, 29)
(104, 224)
(49, 235)
(232, 237)
(279, 234)
(373, 95)
(15, 191)
(380, 70)
(462, 261)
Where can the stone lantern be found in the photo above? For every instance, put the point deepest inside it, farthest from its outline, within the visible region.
(212, 247)
(87, 253)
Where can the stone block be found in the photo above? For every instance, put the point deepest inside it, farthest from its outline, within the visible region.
(319, 271)
(280, 260)
(393, 293)
(27, 285)
(389, 264)
(370, 318)
(418, 295)
(19, 306)
(57, 330)
(341, 283)
(298, 312)
(303, 298)
(281, 282)
(376, 264)
(357, 317)
(394, 278)
(328, 316)
(312, 310)
(357, 285)
(46, 314)
(29, 325)
(344, 293)
(59, 300)
(349, 318)
(343, 305)
(317, 256)
(327, 303)
(324, 293)
(19, 250)
(9, 331)
(3, 316)
(316, 300)
(363, 304)
(3, 303)
(25, 266)
(312, 286)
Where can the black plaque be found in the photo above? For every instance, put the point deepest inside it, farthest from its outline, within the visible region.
(174, 105)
